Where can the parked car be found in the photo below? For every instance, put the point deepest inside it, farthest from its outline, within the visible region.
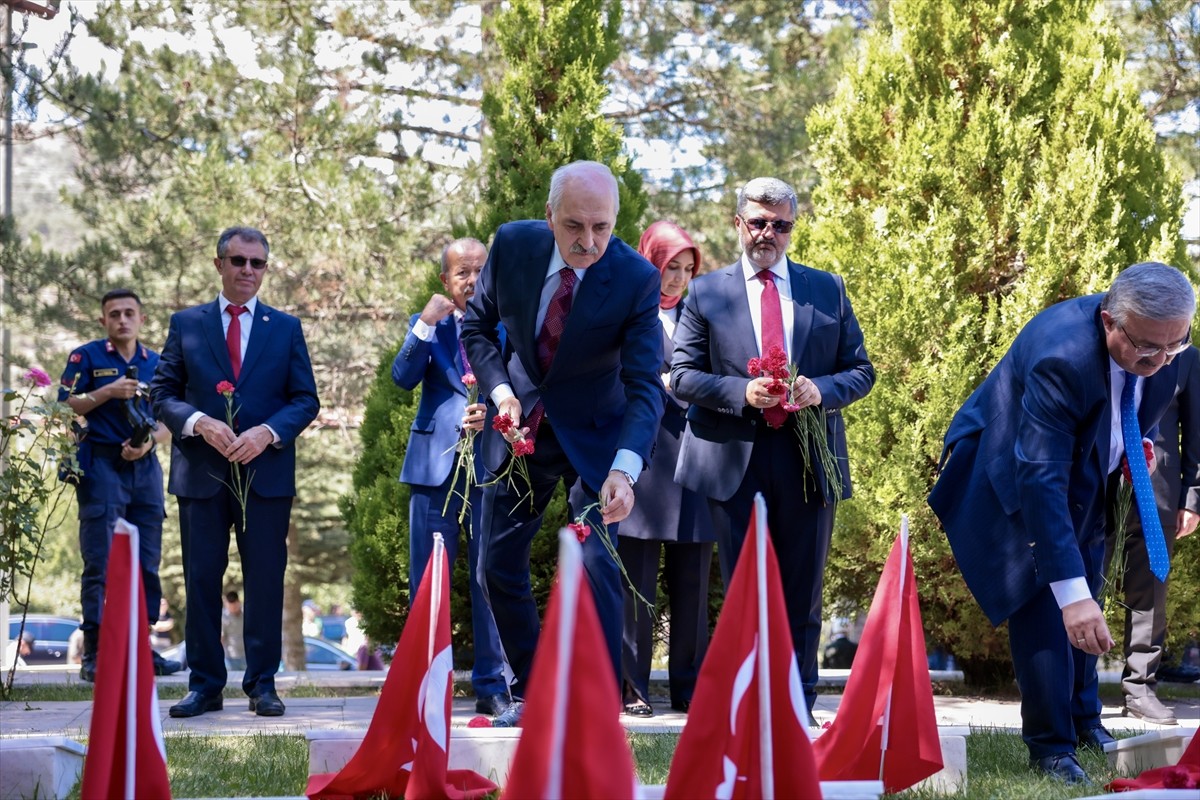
(50, 635)
(318, 655)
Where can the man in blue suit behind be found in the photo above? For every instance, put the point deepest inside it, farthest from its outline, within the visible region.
(261, 352)
(433, 357)
(1027, 468)
(580, 372)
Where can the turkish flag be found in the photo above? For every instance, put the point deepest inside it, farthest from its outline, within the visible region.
(572, 743)
(1184, 775)
(405, 751)
(747, 732)
(886, 716)
(126, 756)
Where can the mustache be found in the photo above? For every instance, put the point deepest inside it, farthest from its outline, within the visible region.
(581, 251)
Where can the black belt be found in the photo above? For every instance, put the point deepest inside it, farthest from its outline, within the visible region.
(112, 451)
(106, 450)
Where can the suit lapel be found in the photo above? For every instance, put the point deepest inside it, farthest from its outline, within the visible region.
(534, 264)
(589, 300)
(737, 311)
(802, 310)
(260, 331)
(447, 336)
(211, 322)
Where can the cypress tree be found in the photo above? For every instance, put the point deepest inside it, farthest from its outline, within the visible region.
(981, 161)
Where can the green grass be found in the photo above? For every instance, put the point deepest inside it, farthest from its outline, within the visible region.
(272, 765)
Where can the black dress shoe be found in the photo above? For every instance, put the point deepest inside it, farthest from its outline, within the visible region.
(165, 666)
(492, 705)
(194, 704)
(87, 672)
(1095, 738)
(681, 705)
(511, 717)
(267, 704)
(1063, 767)
(638, 709)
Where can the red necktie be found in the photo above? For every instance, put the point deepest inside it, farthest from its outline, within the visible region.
(772, 333)
(547, 340)
(233, 338)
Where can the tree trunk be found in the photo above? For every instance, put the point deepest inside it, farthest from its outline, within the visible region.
(293, 637)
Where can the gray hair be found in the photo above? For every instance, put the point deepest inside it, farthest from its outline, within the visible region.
(581, 169)
(768, 191)
(463, 244)
(1150, 290)
(239, 232)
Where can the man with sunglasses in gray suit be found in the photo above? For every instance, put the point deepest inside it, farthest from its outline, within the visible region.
(739, 440)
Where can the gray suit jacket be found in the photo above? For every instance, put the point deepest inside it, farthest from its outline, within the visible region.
(713, 342)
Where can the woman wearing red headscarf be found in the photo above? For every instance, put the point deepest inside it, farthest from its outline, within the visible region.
(666, 516)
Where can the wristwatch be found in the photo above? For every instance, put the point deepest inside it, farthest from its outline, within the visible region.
(628, 477)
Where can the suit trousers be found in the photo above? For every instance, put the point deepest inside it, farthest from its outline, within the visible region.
(1145, 598)
(800, 521)
(1060, 689)
(425, 518)
(511, 520)
(685, 571)
(204, 525)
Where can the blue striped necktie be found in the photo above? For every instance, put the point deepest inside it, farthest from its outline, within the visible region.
(1143, 492)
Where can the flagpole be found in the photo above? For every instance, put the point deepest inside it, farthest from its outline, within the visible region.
(570, 572)
(131, 660)
(435, 601)
(766, 745)
(887, 708)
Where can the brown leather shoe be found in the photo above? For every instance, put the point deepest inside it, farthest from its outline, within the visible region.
(1149, 708)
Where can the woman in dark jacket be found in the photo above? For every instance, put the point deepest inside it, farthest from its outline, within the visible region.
(666, 519)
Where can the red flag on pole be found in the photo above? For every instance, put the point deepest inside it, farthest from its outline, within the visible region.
(747, 733)
(886, 727)
(126, 756)
(405, 751)
(572, 743)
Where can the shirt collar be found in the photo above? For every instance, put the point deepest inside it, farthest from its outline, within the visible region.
(779, 269)
(557, 263)
(250, 305)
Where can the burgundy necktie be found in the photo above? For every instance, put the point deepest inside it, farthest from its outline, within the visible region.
(772, 333)
(233, 338)
(548, 338)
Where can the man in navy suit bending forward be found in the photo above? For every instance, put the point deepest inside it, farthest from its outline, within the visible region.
(580, 371)
(1030, 461)
(260, 352)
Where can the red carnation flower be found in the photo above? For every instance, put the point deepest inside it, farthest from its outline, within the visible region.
(224, 387)
(581, 530)
(502, 424)
(468, 379)
(522, 448)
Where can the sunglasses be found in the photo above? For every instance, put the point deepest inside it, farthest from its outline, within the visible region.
(778, 225)
(240, 261)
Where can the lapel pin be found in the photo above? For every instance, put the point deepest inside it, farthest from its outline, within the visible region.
(266, 318)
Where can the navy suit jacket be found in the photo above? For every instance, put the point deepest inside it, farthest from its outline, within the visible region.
(602, 392)
(276, 387)
(437, 367)
(1021, 494)
(714, 340)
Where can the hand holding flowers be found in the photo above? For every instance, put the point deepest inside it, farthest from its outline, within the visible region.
(800, 396)
(520, 447)
(464, 463)
(239, 487)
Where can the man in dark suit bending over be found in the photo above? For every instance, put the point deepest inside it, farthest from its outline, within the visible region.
(580, 371)
(1026, 474)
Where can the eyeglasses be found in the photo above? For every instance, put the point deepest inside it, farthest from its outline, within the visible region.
(781, 226)
(240, 261)
(1146, 351)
